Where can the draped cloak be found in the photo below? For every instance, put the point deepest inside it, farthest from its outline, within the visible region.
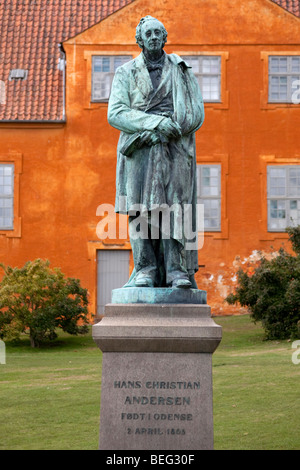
(166, 172)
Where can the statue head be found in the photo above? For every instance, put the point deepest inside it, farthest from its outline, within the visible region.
(149, 21)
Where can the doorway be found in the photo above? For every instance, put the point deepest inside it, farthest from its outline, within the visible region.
(112, 273)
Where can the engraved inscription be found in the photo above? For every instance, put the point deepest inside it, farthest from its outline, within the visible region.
(157, 385)
(156, 397)
(157, 400)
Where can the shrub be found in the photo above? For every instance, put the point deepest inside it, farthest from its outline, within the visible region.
(36, 300)
(272, 292)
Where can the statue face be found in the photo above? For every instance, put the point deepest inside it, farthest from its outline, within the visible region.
(152, 36)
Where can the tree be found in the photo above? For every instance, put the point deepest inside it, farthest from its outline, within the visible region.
(272, 291)
(37, 300)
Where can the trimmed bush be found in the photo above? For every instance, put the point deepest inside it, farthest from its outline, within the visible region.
(36, 300)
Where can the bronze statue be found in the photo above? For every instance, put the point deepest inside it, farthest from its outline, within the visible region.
(157, 105)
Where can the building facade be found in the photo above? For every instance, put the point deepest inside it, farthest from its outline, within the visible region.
(58, 152)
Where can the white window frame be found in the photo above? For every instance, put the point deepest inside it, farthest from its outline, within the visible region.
(107, 76)
(7, 171)
(203, 197)
(201, 76)
(286, 203)
(290, 75)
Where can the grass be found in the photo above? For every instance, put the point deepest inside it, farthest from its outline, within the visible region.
(50, 397)
(256, 390)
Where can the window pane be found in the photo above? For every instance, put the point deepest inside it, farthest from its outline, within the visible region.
(283, 71)
(284, 209)
(293, 205)
(294, 182)
(283, 64)
(103, 68)
(211, 88)
(278, 64)
(211, 214)
(208, 73)
(211, 65)
(278, 171)
(6, 183)
(101, 64)
(206, 66)
(209, 182)
(209, 194)
(277, 187)
(7, 170)
(274, 64)
(215, 66)
(277, 181)
(6, 196)
(296, 64)
(277, 215)
(214, 171)
(294, 215)
(274, 82)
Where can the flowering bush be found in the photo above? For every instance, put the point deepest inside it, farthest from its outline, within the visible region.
(272, 291)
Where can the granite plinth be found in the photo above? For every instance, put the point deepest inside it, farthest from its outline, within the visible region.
(157, 328)
(156, 401)
(156, 389)
(158, 295)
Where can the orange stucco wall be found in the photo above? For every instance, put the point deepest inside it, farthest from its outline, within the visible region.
(68, 170)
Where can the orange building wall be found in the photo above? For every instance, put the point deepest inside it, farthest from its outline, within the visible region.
(68, 170)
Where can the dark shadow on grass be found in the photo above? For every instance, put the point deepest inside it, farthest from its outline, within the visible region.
(63, 341)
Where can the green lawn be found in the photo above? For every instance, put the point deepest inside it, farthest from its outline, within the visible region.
(256, 389)
(50, 397)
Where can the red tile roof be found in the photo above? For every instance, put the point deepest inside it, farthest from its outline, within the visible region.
(30, 31)
(293, 6)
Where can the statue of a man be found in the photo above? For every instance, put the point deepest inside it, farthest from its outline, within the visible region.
(157, 105)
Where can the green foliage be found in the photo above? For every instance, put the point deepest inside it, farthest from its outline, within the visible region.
(294, 236)
(272, 292)
(36, 300)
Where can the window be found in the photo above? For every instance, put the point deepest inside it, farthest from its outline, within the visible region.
(18, 74)
(103, 70)
(6, 196)
(208, 72)
(283, 197)
(209, 194)
(284, 71)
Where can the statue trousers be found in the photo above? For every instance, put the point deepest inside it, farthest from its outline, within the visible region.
(161, 259)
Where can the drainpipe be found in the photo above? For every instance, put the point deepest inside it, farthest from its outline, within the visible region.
(62, 67)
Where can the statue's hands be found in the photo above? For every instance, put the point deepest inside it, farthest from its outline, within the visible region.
(169, 128)
(149, 138)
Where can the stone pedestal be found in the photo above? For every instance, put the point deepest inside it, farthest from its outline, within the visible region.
(157, 373)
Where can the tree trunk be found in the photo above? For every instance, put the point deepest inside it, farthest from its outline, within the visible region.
(33, 343)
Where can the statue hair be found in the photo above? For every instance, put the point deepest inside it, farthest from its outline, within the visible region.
(138, 35)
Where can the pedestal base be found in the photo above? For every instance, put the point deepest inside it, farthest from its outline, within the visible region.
(156, 376)
(159, 295)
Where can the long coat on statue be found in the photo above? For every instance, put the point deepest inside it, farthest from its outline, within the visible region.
(166, 172)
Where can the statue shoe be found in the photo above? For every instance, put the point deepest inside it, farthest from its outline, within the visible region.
(182, 283)
(144, 281)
